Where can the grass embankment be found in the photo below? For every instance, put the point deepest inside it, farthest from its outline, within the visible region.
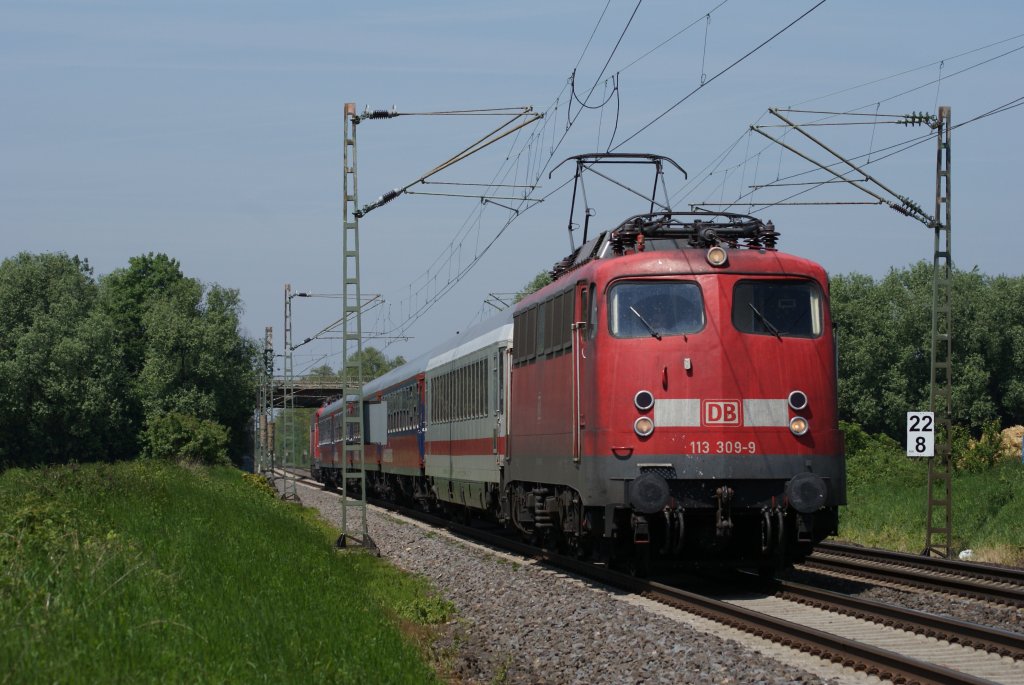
(150, 572)
(887, 494)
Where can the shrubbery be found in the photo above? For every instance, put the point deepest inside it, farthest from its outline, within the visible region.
(185, 438)
(879, 457)
(871, 458)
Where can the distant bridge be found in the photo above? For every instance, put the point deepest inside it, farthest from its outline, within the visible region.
(309, 393)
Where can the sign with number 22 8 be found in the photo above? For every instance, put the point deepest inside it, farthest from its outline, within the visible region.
(920, 434)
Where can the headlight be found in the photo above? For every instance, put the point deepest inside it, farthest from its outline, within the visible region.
(643, 400)
(798, 425)
(643, 426)
(717, 256)
(797, 400)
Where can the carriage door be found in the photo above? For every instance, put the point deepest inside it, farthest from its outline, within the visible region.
(421, 417)
(580, 334)
(499, 400)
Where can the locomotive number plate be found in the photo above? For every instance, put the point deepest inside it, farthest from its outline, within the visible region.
(723, 447)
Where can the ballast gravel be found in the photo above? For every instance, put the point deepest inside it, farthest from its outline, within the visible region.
(521, 623)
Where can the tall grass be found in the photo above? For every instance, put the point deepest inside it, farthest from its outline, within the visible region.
(887, 494)
(150, 572)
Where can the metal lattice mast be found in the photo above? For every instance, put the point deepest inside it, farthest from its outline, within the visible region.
(353, 467)
(939, 536)
(287, 460)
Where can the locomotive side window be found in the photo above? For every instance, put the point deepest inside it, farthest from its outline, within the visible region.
(779, 308)
(643, 309)
(585, 312)
(592, 320)
(564, 337)
(531, 333)
(544, 330)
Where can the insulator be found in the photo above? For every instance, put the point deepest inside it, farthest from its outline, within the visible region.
(380, 201)
(379, 114)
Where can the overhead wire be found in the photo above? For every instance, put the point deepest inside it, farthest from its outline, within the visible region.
(908, 71)
(537, 161)
(720, 73)
(908, 144)
(460, 272)
(894, 149)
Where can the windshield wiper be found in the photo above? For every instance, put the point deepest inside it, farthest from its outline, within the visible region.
(767, 324)
(655, 333)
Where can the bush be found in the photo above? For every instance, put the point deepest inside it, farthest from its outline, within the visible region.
(184, 438)
(976, 456)
(870, 458)
(259, 483)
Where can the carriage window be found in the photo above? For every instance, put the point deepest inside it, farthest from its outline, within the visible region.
(782, 308)
(642, 309)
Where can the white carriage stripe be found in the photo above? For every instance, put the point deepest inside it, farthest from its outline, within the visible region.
(765, 413)
(482, 467)
(671, 413)
(677, 413)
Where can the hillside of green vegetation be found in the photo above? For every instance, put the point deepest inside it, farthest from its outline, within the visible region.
(146, 571)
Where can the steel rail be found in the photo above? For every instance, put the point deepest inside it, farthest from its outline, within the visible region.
(975, 589)
(969, 569)
(995, 640)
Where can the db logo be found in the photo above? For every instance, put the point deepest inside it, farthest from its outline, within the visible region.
(720, 412)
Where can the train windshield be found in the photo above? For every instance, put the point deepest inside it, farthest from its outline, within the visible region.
(638, 309)
(779, 308)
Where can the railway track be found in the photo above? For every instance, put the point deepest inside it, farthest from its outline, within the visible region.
(981, 582)
(891, 643)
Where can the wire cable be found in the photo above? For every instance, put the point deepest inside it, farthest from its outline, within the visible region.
(723, 71)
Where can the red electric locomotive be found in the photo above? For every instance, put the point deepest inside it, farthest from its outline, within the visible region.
(670, 398)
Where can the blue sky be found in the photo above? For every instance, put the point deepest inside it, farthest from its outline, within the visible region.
(212, 132)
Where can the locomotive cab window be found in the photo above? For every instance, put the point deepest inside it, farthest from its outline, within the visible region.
(642, 309)
(779, 308)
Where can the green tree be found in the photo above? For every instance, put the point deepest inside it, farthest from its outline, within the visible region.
(538, 282)
(374, 363)
(324, 372)
(997, 336)
(87, 366)
(885, 348)
(181, 342)
(61, 381)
